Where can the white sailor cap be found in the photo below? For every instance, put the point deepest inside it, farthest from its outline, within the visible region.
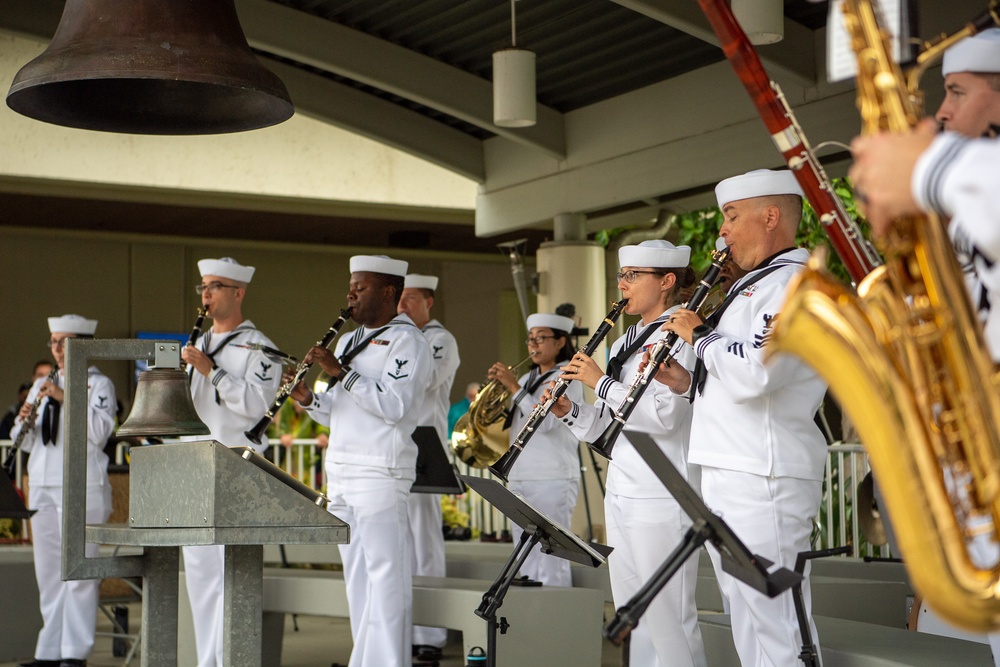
(551, 321)
(226, 267)
(379, 264)
(979, 53)
(72, 324)
(757, 183)
(655, 253)
(420, 282)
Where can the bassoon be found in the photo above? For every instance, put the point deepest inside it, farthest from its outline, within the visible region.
(857, 254)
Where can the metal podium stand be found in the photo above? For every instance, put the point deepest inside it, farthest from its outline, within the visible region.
(194, 493)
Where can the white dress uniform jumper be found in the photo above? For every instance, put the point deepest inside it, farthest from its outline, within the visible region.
(230, 401)
(645, 523)
(370, 465)
(69, 608)
(424, 509)
(547, 473)
(762, 455)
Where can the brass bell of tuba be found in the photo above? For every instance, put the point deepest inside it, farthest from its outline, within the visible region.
(906, 359)
(479, 438)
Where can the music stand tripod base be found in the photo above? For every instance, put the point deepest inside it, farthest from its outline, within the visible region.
(555, 540)
(737, 561)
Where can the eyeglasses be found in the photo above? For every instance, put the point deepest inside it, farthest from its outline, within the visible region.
(537, 340)
(629, 276)
(212, 287)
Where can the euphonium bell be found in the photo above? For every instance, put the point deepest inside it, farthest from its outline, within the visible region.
(162, 406)
(150, 67)
(479, 438)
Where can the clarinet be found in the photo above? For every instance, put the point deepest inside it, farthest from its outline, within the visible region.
(196, 331)
(502, 467)
(659, 353)
(857, 254)
(256, 434)
(27, 426)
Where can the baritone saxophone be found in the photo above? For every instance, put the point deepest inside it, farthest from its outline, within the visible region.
(907, 361)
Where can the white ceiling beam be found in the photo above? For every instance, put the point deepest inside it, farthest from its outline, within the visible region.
(793, 58)
(382, 121)
(353, 54)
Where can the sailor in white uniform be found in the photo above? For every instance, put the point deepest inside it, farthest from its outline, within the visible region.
(761, 454)
(232, 385)
(954, 176)
(644, 522)
(381, 374)
(69, 608)
(547, 472)
(424, 509)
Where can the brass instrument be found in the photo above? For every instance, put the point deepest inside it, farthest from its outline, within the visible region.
(501, 468)
(479, 438)
(27, 426)
(906, 359)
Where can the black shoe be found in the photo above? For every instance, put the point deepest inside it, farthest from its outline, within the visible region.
(73, 662)
(41, 663)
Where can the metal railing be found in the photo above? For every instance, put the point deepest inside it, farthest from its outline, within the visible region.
(836, 525)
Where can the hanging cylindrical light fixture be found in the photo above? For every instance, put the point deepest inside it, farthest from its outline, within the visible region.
(150, 67)
(762, 20)
(514, 83)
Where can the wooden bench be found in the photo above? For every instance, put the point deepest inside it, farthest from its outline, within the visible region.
(548, 625)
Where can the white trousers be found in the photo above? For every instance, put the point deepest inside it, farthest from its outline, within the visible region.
(204, 575)
(69, 608)
(643, 532)
(428, 560)
(773, 517)
(377, 563)
(555, 498)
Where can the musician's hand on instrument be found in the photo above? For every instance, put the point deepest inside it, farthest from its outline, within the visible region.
(301, 394)
(24, 412)
(561, 407)
(192, 356)
(584, 369)
(672, 374)
(53, 391)
(883, 170)
(318, 354)
(682, 322)
(504, 376)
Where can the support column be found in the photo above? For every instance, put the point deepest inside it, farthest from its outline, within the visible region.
(571, 270)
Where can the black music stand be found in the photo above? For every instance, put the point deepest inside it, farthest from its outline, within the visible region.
(435, 473)
(737, 560)
(11, 505)
(555, 540)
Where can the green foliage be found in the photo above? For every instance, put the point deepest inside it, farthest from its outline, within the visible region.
(700, 229)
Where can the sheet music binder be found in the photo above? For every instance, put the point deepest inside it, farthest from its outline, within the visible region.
(435, 473)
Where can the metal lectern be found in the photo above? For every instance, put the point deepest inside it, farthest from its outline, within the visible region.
(192, 493)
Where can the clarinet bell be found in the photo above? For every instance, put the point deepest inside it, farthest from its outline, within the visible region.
(162, 406)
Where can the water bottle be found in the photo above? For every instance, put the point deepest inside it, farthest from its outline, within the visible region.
(476, 657)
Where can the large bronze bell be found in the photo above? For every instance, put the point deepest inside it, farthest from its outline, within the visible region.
(162, 406)
(150, 67)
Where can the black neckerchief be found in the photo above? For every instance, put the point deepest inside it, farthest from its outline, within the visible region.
(631, 345)
(207, 339)
(764, 268)
(531, 384)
